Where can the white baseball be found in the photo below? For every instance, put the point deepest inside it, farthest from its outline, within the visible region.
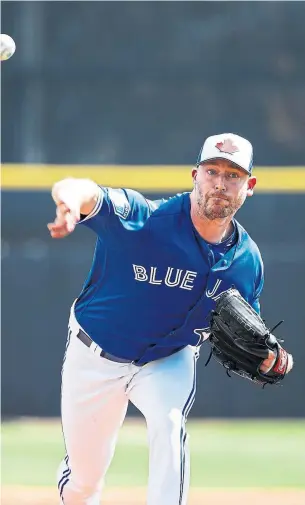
(8, 46)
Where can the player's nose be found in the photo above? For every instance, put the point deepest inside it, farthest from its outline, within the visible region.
(220, 184)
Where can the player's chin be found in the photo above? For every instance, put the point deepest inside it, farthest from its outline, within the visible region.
(216, 211)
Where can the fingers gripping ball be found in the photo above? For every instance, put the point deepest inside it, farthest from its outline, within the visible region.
(8, 46)
(241, 341)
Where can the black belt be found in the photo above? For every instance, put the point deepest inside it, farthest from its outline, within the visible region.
(88, 342)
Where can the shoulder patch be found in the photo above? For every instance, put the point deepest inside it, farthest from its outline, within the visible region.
(120, 203)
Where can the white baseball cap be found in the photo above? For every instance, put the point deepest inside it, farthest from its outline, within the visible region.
(230, 147)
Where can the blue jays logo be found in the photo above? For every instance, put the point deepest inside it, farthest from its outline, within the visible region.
(121, 205)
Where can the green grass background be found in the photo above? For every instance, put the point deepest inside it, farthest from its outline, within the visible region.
(224, 453)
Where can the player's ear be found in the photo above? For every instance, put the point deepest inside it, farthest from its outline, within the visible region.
(251, 184)
(194, 174)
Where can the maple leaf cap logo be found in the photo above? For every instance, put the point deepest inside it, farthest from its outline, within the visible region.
(227, 147)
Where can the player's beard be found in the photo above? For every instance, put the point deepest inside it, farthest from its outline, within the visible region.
(209, 208)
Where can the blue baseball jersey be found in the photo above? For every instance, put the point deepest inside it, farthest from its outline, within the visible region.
(154, 280)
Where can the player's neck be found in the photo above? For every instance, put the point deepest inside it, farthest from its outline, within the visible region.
(213, 231)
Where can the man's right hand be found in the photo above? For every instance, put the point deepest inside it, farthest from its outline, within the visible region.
(72, 197)
(64, 222)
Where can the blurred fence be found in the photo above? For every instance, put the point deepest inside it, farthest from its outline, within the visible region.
(146, 82)
(41, 277)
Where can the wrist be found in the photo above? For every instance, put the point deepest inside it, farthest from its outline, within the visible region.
(66, 190)
(76, 194)
(268, 363)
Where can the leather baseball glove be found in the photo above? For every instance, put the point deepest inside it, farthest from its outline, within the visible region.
(240, 341)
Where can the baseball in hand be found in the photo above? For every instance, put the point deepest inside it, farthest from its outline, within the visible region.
(8, 46)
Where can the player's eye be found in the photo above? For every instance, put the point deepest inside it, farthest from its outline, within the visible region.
(233, 175)
(211, 171)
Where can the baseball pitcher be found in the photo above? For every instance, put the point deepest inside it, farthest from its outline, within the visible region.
(166, 276)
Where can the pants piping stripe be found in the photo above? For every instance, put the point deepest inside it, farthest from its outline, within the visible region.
(65, 474)
(63, 485)
(187, 407)
(67, 345)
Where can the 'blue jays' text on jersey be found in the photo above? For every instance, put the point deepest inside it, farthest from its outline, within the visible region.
(152, 283)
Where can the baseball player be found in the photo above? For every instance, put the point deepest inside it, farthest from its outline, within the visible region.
(136, 327)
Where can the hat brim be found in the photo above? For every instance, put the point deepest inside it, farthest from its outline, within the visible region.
(226, 159)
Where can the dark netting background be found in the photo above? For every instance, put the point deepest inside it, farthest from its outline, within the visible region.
(145, 82)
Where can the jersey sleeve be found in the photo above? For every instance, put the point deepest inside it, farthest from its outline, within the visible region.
(258, 287)
(119, 207)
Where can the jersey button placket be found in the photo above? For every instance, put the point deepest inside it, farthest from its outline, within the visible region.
(210, 256)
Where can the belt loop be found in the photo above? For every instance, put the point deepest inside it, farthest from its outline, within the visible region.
(96, 349)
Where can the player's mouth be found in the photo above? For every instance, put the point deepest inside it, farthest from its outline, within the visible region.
(219, 198)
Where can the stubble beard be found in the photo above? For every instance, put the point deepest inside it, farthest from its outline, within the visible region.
(207, 208)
